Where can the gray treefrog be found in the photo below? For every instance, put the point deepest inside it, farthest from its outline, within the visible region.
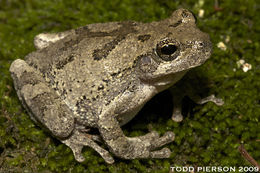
(100, 75)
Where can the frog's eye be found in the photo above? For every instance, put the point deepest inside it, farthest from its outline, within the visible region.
(168, 49)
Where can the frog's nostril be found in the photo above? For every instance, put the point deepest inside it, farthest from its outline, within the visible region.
(204, 43)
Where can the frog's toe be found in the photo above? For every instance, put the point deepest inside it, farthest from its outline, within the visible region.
(176, 115)
(217, 101)
(107, 157)
(150, 136)
(160, 154)
(78, 140)
(177, 109)
(76, 149)
(168, 137)
(211, 98)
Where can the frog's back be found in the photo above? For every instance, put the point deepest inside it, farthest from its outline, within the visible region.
(92, 43)
(85, 66)
(93, 56)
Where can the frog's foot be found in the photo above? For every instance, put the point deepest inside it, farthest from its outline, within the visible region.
(177, 102)
(78, 140)
(211, 98)
(146, 146)
(132, 147)
(157, 142)
(177, 109)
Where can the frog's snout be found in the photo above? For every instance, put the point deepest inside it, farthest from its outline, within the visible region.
(203, 44)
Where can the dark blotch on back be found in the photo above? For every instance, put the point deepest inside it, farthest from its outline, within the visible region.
(39, 61)
(176, 24)
(144, 38)
(120, 34)
(60, 64)
(98, 54)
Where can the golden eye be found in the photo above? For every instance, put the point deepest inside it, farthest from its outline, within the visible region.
(168, 49)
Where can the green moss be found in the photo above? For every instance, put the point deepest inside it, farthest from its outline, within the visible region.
(209, 135)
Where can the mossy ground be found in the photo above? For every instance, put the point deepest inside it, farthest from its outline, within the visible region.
(209, 135)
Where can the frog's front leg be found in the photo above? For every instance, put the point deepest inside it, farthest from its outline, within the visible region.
(132, 147)
(178, 95)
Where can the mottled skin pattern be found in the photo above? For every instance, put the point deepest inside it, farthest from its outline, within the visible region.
(100, 75)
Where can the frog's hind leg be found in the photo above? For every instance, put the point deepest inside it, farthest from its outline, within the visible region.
(45, 106)
(45, 39)
(41, 101)
(78, 140)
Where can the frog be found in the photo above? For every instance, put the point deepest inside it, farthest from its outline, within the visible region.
(84, 84)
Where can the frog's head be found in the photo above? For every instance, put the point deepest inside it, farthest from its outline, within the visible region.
(178, 47)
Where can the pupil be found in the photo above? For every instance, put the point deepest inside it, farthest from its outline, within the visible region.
(168, 49)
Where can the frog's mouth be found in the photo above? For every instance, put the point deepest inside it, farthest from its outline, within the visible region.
(169, 73)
